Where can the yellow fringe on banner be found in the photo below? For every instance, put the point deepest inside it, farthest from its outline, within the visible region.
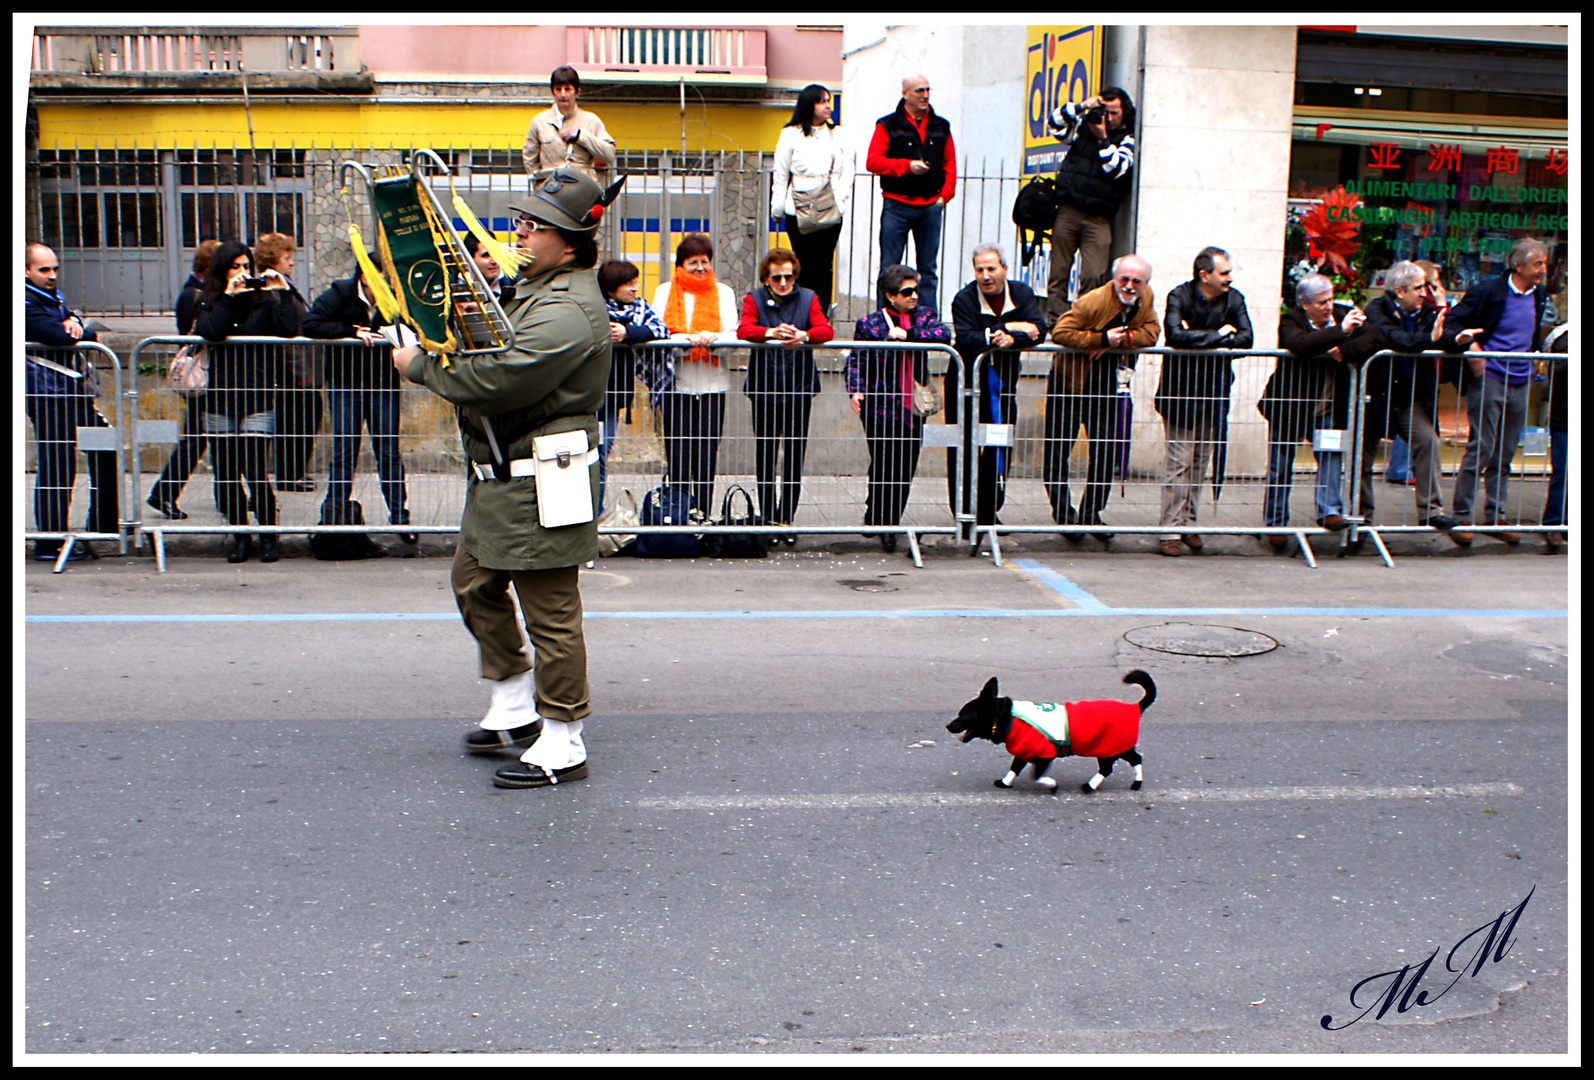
(502, 254)
(385, 301)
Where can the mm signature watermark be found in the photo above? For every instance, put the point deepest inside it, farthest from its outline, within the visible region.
(1489, 943)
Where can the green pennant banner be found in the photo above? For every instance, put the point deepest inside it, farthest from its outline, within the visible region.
(409, 252)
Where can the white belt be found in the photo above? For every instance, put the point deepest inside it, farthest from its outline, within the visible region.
(518, 467)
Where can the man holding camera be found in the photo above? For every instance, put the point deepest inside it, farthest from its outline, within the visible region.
(1091, 183)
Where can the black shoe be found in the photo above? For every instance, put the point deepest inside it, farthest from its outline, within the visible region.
(167, 507)
(522, 775)
(268, 549)
(482, 741)
(80, 551)
(1439, 521)
(296, 485)
(410, 538)
(241, 547)
(889, 542)
(1095, 519)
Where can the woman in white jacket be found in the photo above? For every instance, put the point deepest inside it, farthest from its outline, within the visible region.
(689, 385)
(809, 155)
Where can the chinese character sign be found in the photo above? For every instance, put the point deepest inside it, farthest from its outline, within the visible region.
(1444, 158)
(1384, 156)
(1063, 64)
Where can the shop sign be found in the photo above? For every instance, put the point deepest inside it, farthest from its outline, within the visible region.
(1062, 64)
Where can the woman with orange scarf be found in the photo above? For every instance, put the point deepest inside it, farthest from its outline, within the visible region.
(689, 386)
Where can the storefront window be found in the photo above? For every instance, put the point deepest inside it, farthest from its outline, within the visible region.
(1455, 201)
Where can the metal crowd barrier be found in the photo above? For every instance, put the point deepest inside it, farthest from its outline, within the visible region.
(1511, 457)
(758, 419)
(1040, 476)
(62, 426)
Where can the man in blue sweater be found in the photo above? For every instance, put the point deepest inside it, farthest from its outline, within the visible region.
(1503, 314)
(60, 399)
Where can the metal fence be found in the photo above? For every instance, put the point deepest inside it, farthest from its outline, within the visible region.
(1193, 442)
(60, 402)
(1497, 439)
(127, 219)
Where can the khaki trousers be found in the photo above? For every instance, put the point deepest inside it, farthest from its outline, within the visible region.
(1091, 236)
(551, 601)
(1189, 453)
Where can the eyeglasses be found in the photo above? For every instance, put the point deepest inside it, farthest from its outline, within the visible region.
(911, 290)
(527, 226)
(1130, 280)
(783, 277)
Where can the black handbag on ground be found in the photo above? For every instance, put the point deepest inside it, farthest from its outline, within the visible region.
(668, 505)
(737, 545)
(344, 547)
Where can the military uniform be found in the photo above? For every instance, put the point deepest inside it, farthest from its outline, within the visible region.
(552, 381)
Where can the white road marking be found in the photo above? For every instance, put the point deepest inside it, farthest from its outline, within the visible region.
(931, 800)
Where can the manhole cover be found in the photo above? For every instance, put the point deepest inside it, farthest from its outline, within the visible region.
(1191, 639)
(867, 585)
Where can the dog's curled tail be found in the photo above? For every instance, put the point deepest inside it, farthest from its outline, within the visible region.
(1141, 679)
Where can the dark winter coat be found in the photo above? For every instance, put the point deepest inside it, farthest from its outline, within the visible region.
(1290, 400)
(1194, 390)
(335, 314)
(244, 378)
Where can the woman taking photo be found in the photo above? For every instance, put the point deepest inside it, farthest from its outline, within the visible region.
(781, 383)
(298, 404)
(881, 385)
(813, 186)
(689, 384)
(243, 384)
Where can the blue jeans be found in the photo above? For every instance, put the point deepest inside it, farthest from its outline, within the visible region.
(1555, 504)
(1280, 467)
(379, 410)
(924, 222)
(609, 419)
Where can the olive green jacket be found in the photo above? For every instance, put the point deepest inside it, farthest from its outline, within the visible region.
(553, 380)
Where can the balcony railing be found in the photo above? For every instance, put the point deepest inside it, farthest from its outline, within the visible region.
(135, 50)
(668, 51)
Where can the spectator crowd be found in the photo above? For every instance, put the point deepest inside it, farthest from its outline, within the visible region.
(262, 405)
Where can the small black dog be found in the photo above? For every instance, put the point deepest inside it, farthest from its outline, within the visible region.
(1038, 733)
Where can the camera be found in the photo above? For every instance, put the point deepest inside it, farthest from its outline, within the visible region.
(254, 283)
(1097, 115)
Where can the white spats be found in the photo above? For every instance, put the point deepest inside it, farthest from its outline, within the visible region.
(1095, 781)
(513, 704)
(1139, 774)
(558, 747)
(1047, 782)
(1007, 781)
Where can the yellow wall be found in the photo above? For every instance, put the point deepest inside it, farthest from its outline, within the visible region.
(343, 123)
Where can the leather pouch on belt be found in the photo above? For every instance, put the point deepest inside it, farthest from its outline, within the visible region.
(564, 482)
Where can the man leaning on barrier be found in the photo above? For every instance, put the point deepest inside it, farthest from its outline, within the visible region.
(1309, 391)
(1205, 313)
(1504, 314)
(1119, 315)
(550, 383)
(1402, 392)
(988, 312)
(60, 399)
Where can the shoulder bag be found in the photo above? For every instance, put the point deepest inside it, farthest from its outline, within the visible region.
(816, 209)
(189, 374)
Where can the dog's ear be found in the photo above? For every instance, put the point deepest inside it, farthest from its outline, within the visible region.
(990, 689)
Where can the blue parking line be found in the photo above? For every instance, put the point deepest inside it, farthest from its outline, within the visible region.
(1060, 585)
(1096, 612)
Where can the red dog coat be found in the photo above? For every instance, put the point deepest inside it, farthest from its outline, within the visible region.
(1097, 729)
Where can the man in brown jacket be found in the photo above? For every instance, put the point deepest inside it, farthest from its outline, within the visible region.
(1083, 389)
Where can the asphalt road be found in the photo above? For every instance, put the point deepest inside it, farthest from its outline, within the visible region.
(249, 826)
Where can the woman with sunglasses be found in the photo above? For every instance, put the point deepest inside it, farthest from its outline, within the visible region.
(781, 383)
(880, 383)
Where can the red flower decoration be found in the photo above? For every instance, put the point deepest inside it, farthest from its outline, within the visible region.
(596, 213)
(1330, 232)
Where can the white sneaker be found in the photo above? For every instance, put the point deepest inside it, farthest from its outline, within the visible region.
(514, 704)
